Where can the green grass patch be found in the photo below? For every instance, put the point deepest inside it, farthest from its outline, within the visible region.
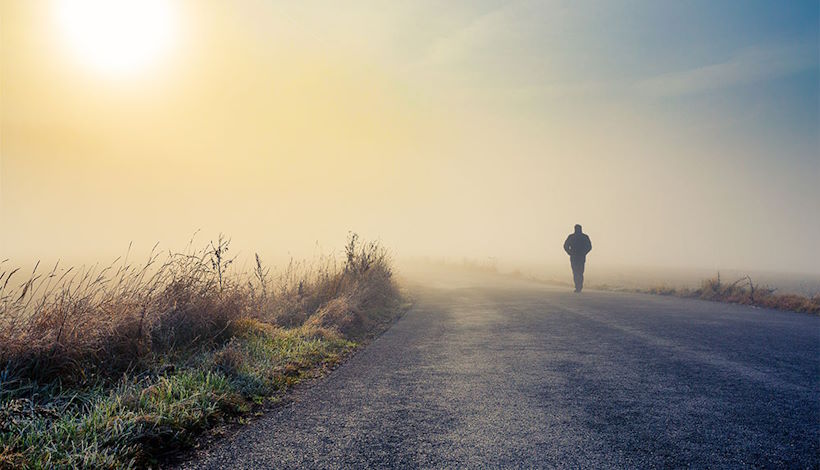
(130, 423)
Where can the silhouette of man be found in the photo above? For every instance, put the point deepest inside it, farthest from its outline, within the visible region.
(577, 246)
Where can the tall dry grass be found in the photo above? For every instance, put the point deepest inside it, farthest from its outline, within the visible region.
(75, 325)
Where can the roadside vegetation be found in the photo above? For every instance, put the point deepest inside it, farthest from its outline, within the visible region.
(742, 291)
(119, 366)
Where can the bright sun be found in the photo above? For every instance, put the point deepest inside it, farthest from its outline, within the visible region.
(117, 37)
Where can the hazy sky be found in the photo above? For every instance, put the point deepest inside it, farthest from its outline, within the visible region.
(677, 133)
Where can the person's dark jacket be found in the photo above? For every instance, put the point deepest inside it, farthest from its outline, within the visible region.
(578, 245)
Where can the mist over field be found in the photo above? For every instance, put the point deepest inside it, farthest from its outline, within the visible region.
(468, 130)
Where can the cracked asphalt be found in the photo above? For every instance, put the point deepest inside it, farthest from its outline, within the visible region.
(498, 373)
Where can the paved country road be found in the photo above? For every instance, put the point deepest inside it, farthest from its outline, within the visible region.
(516, 374)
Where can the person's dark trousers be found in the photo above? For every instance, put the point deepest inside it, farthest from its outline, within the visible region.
(578, 271)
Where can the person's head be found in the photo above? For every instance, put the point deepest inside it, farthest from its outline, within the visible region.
(577, 228)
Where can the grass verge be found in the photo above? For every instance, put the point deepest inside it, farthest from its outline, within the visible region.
(130, 367)
(742, 291)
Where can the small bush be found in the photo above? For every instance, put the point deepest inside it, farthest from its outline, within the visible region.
(249, 327)
(341, 315)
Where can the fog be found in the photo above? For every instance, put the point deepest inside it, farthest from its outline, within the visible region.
(475, 131)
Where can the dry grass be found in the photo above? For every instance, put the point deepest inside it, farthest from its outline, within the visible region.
(73, 325)
(743, 291)
(110, 367)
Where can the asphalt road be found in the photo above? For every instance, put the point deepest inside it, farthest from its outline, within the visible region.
(491, 374)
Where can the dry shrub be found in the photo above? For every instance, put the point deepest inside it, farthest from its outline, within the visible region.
(330, 295)
(302, 289)
(340, 314)
(317, 332)
(288, 313)
(229, 359)
(247, 327)
(367, 291)
(192, 315)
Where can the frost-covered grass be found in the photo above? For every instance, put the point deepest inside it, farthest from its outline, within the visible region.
(117, 368)
(129, 424)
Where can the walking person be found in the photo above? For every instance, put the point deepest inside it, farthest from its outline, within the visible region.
(577, 246)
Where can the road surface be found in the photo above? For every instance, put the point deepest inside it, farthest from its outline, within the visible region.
(501, 373)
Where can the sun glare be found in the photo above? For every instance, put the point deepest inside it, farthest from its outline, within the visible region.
(116, 37)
